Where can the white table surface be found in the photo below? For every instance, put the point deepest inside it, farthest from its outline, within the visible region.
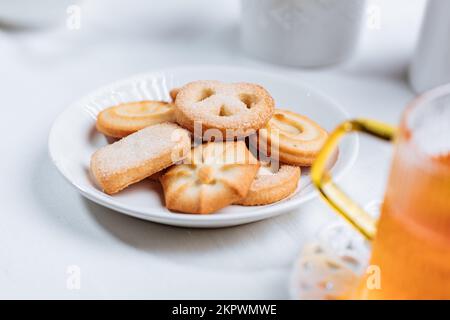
(46, 226)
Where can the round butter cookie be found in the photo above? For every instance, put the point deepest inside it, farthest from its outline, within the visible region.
(294, 138)
(126, 118)
(271, 186)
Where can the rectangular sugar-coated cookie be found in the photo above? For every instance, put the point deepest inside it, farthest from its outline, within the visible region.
(139, 155)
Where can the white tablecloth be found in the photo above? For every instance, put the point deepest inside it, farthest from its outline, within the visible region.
(46, 226)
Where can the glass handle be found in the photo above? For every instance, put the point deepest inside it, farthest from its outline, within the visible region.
(322, 178)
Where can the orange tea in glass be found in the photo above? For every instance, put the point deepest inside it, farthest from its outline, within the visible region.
(411, 240)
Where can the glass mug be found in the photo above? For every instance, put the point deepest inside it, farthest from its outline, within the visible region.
(411, 240)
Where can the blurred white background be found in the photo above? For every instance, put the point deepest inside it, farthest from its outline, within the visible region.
(47, 226)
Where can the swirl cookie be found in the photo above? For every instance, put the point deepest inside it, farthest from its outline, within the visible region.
(269, 186)
(214, 176)
(127, 118)
(294, 138)
(232, 110)
(139, 156)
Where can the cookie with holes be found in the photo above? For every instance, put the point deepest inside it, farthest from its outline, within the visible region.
(126, 118)
(272, 185)
(293, 138)
(215, 175)
(232, 110)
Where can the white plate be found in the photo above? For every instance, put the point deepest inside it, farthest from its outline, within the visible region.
(73, 139)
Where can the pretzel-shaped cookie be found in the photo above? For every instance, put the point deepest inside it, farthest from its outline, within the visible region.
(235, 109)
(269, 186)
(215, 175)
(127, 118)
(296, 138)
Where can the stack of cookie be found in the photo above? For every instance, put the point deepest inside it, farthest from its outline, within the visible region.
(214, 145)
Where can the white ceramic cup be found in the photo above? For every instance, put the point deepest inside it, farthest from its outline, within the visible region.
(430, 65)
(304, 33)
